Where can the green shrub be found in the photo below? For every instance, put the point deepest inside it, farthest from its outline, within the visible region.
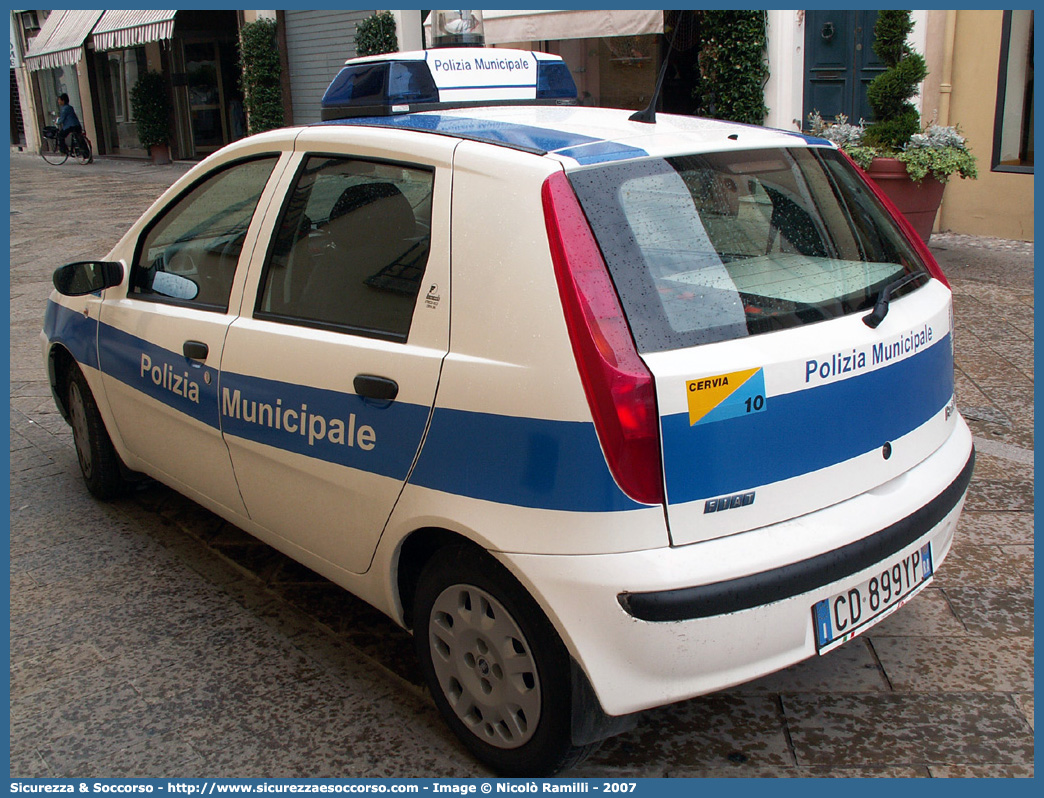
(732, 65)
(889, 94)
(376, 35)
(151, 108)
(939, 151)
(262, 91)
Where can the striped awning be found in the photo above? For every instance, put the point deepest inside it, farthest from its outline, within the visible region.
(123, 28)
(60, 40)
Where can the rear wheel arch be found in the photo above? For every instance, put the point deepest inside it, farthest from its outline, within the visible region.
(414, 553)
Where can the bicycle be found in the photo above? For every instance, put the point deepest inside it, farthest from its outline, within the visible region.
(54, 151)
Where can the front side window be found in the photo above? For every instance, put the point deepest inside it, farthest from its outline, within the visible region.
(189, 253)
(351, 248)
(706, 248)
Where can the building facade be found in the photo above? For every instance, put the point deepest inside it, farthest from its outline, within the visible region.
(96, 57)
(980, 76)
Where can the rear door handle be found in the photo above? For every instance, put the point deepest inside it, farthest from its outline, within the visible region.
(195, 350)
(370, 386)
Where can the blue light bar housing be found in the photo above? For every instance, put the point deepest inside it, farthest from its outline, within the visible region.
(447, 78)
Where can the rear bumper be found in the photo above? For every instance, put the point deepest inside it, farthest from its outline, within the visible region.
(653, 627)
(778, 584)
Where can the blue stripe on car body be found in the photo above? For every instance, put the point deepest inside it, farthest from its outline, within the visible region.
(529, 462)
(807, 430)
(74, 331)
(525, 462)
(166, 376)
(540, 463)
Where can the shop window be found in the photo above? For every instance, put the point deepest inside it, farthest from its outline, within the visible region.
(1013, 125)
(53, 83)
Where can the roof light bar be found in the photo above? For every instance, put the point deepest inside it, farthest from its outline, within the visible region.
(447, 78)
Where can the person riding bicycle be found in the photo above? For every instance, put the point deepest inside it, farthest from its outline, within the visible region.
(68, 122)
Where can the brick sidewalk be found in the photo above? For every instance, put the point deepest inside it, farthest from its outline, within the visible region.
(149, 638)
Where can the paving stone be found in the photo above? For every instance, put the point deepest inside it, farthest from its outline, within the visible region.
(704, 733)
(51, 698)
(994, 469)
(25, 593)
(31, 675)
(1024, 701)
(103, 737)
(918, 728)
(26, 763)
(78, 717)
(969, 564)
(851, 668)
(967, 392)
(832, 772)
(1018, 435)
(994, 612)
(232, 656)
(987, 413)
(1000, 495)
(1022, 556)
(327, 730)
(162, 756)
(1000, 528)
(1015, 771)
(70, 560)
(962, 664)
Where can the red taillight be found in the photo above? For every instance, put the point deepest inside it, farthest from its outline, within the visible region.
(904, 224)
(619, 387)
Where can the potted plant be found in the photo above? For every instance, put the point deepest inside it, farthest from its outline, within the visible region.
(909, 164)
(151, 108)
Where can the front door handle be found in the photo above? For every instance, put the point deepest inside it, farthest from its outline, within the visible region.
(195, 350)
(370, 386)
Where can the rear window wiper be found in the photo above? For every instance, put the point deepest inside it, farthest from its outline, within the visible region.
(876, 316)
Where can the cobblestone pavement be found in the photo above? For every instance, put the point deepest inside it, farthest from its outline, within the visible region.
(149, 638)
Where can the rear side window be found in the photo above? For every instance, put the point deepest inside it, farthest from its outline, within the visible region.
(190, 252)
(351, 248)
(706, 248)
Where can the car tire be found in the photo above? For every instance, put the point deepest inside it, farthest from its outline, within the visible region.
(498, 671)
(99, 462)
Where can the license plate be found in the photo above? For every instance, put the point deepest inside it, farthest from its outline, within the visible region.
(850, 612)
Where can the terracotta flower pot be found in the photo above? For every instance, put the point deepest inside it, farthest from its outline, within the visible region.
(919, 202)
(160, 154)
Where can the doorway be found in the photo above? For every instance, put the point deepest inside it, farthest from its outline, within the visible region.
(839, 64)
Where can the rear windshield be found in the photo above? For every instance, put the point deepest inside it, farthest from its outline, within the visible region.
(712, 247)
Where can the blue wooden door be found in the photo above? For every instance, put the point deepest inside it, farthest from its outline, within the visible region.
(839, 63)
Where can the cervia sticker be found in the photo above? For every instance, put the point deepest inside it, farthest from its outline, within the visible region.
(725, 396)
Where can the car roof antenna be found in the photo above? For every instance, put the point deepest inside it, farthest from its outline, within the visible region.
(648, 114)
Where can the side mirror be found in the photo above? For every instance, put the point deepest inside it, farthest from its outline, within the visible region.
(86, 277)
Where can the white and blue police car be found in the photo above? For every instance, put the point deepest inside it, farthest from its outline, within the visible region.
(609, 413)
